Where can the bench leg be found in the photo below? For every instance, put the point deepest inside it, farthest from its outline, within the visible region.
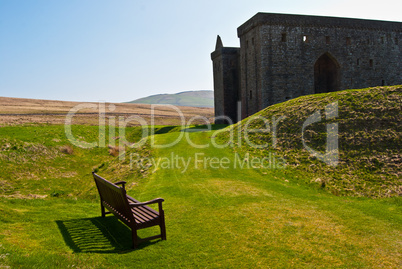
(163, 228)
(103, 210)
(135, 238)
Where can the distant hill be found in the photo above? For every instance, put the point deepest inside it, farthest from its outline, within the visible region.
(188, 98)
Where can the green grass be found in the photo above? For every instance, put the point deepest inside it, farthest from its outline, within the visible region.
(232, 218)
(39, 161)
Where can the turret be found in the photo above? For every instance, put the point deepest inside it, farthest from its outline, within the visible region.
(226, 82)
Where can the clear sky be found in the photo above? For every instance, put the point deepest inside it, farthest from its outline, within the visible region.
(121, 50)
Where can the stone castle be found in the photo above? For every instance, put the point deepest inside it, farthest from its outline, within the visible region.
(285, 56)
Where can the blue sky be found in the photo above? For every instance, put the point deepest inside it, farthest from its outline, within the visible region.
(121, 50)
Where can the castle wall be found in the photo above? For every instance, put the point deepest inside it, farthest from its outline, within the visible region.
(365, 58)
(251, 75)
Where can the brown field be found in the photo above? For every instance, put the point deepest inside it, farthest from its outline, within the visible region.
(16, 111)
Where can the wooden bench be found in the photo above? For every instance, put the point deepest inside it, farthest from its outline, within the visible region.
(133, 213)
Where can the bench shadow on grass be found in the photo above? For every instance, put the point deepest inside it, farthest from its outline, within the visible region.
(97, 235)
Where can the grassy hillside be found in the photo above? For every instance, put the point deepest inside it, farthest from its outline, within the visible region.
(231, 218)
(189, 98)
(369, 138)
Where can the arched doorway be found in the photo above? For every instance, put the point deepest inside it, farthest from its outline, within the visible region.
(326, 74)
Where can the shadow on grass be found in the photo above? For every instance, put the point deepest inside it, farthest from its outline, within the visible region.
(203, 128)
(97, 235)
(165, 130)
(195, 128)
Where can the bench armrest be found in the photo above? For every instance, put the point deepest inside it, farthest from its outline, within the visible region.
(154, 201)
(121, 183)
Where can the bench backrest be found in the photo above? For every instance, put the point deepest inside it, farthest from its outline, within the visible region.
(114, 198)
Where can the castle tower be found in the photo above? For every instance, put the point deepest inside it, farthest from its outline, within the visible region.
(226, 82)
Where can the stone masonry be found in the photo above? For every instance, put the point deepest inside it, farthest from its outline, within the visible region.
(285, 56)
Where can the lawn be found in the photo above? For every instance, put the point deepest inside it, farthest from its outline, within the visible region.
(215, 217)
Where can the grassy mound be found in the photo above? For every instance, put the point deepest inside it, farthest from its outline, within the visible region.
(369, 139)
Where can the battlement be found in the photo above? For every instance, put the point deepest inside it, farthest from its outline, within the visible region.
(316, 21)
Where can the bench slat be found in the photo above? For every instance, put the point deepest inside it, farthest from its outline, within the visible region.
(145, 211)
(142, 218)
